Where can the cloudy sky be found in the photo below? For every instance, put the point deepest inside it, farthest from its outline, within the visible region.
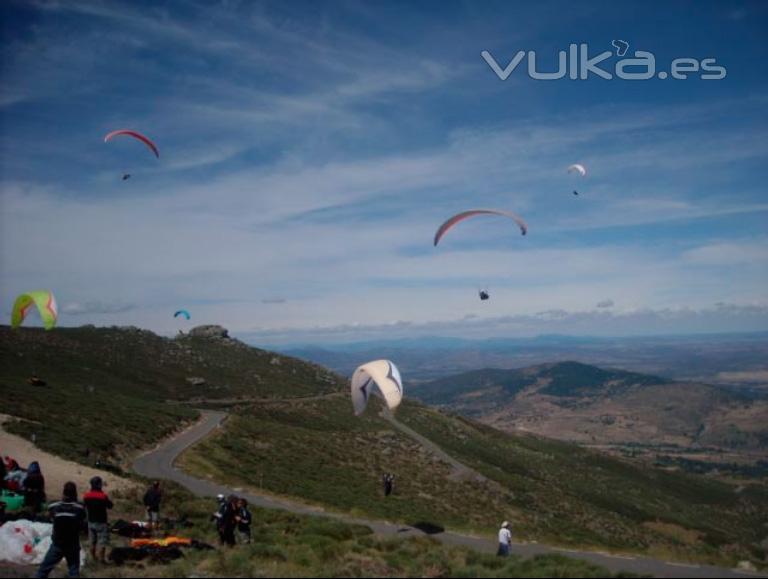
(308, 152)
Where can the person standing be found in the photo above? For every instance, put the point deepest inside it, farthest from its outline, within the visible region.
(152, 500)
(34, 488)
(505, 540)
(97, 503)
(244, 520)
(68, 519)
(389, 484)
(227, 523)
(3, 472)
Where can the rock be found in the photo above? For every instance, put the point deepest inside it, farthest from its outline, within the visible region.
(210, 331)
(746, 566)
(196, 380)
(275, 361)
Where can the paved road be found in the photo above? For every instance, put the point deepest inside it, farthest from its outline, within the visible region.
(159, 463)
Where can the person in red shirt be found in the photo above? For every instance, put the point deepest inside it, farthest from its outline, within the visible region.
(97, 504)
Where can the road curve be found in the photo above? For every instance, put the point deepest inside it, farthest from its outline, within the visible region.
(158, 463)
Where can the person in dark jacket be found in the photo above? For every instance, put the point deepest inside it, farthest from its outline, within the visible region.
(389, 484)
(152, 500)
(3, 472)
(228, 522)
(34, 488)
(68, 518)
(97, 504)
(244, 520)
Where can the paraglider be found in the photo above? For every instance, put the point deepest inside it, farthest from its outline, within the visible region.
(45, 303)
(380, 378)
(126, 176)
(135, 135)
(443, 229)
(184, 313)
(580, 169)
(484, 295)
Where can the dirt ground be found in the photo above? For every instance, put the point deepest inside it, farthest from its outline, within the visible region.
(56, 471)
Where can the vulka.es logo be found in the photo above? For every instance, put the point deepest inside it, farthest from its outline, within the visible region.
(577, 64)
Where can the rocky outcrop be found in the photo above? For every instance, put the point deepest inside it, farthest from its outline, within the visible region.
(210, 331)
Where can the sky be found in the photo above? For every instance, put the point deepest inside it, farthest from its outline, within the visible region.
(309, 151)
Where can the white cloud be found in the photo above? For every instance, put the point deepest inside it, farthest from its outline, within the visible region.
(96, 307)
(755, 252)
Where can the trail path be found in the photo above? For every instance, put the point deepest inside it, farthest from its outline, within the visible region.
(56, 470)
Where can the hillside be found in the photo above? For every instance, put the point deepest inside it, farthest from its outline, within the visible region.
(556, 493)
(291, 432)
(586, 404)
(106, 388)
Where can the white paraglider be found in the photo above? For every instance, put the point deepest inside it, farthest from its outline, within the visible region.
(579, 168)
(379, 378)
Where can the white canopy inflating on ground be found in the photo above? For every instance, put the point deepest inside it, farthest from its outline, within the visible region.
(380, 378)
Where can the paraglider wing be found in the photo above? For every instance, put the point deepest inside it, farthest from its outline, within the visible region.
(380, 378)
(135, 135)
(184, 313)
(46, 305)
(474, 212)
(579, 168)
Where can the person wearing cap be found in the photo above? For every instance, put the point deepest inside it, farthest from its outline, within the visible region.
(505, 540)
(97, 504)
(68, 517)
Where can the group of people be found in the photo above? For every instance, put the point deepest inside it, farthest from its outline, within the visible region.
(232, 517)
(69, 517)
(28, 482)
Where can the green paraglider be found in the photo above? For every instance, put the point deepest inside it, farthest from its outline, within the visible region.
(46, 307)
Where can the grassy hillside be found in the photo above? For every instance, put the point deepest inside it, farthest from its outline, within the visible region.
(554, 492)
(107, 388)
(287, 545)
(110, 391)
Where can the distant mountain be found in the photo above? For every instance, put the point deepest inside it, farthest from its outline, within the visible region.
(586, 404)
(564, 379)
(740, 360)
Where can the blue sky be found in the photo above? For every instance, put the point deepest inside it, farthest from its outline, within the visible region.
(310, 150)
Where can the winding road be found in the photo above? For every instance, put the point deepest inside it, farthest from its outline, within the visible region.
(158, 463)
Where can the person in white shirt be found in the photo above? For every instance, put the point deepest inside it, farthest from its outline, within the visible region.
(505, 540)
